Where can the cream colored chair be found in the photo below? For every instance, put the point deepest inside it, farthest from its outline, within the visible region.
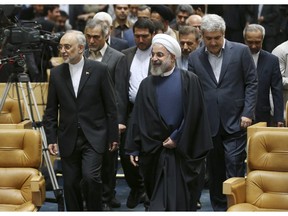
(10, 116)
(286, 115)
(22, 186)
(265, 188)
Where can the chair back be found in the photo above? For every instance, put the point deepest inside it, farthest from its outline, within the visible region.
(20, 158)
(10, 113)
(20, 148)
(267, 179)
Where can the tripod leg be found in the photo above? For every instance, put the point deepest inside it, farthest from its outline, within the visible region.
(4, 95)
(38, 125)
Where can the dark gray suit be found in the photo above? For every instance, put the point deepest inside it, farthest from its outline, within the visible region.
(87, 123)
(117, 65)
(227, 100)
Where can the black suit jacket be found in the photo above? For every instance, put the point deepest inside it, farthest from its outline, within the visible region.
(271, 14)
(94, 108)
(269, 76)
(130, 53)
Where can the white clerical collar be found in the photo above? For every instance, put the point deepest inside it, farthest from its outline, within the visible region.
(167, 73)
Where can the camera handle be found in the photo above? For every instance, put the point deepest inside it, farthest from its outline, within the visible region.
(37, 125)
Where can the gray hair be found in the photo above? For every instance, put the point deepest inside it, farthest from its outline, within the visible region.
(103, 16)
(184, 8)
(144, 7)
(254, 28)
(213, 22)
(80, 37)
(92, 23)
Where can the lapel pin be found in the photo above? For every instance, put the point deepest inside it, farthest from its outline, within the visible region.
(87, 73)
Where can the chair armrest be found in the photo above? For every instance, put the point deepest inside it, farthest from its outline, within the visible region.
(26, 124)
(235, 190)
(38, 190)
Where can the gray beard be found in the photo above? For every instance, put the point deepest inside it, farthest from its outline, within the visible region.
(158, 70)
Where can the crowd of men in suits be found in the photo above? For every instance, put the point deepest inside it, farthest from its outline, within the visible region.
(228, 47)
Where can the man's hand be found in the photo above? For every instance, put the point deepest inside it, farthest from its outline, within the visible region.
(245, 122)
(280, 124)
(169, 143)
(53, 149)
(121, 128)
(134, 160)
(113, 146)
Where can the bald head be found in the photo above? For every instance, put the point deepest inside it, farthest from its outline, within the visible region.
(194, 20)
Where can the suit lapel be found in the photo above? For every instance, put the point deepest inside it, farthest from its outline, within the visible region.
(207, 66)
(107, 55)
(260, 63)
(85, 75)
(67, 78)
(227, 53)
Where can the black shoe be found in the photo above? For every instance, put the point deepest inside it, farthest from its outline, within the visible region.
(105, 207)
(135, 197)
(114, 203)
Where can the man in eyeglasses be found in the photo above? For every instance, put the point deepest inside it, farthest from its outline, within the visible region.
(80, 117)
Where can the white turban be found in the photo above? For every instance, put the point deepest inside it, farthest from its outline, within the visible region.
(170, 43)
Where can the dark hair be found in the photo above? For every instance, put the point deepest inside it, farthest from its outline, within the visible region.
(49, 8)
(63, 14)
(184, 8)
(144, 7)
(144, 23)
(186, 30)
(158, 26)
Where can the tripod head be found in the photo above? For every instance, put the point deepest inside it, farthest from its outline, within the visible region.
(19, 64)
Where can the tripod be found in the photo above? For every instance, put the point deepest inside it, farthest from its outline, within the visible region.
(20, 78)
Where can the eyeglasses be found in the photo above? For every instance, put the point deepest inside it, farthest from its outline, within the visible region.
(65, 46)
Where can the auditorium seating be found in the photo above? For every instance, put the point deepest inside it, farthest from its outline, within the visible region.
(265, 187)
(10, 116)
(22, 186)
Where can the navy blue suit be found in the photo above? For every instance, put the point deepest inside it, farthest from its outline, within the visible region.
(118, 43)
(229, 99)
(269, 76)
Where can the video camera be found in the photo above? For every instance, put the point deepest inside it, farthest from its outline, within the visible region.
(24, 39)
(24, 36)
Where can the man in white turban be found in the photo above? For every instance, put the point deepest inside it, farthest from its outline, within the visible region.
(168, 134)
(167, 44)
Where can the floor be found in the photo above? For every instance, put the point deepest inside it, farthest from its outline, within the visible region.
(122, 192)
